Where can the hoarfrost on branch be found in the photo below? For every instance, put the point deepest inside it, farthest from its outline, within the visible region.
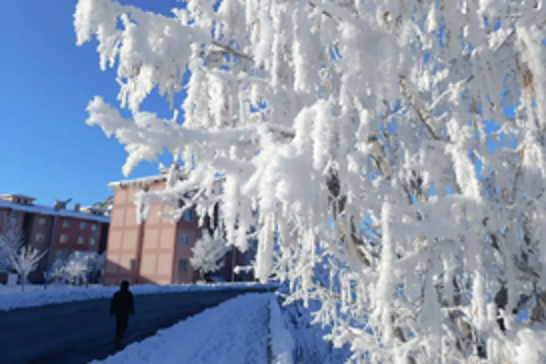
(350, 135)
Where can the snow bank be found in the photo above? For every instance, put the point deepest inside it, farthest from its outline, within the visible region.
(11, 299)
(310, 345)
(235, 332)
(281, 340)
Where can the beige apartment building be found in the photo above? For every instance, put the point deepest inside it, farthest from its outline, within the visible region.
(156, 251)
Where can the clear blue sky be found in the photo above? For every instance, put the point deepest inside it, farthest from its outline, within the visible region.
(46, 149)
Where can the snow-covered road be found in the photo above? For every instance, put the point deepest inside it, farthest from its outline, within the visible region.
(79, 332)
(236, 332)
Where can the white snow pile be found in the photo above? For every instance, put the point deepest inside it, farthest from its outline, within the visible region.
(10, 299)
(281, 341)
(235, 332)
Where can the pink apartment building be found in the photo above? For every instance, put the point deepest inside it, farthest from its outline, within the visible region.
(156, 251)
(55, 229)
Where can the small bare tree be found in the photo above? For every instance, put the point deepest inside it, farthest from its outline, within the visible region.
(25, 261)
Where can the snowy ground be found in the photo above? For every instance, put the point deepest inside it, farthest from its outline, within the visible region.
(281, 340)
(235, 332)
(12, 297)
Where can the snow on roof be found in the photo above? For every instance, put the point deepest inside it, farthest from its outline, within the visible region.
(150, 180)
(144, 181)
(93, 208)
(20, 195)
(47, 210)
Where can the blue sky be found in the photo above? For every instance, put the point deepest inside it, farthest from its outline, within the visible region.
(46, 149)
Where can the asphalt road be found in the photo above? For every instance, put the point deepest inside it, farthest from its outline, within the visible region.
(79, 332)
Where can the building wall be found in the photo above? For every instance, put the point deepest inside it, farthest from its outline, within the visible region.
(71, 236)
(150, 252)
(158, 248)
(15, 214)
(183, 250)
(38, 235)
(103, 243)
(123, 239)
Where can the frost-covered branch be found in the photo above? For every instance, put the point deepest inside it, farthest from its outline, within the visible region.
(354, 140)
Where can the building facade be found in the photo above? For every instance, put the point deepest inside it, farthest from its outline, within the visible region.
(157, 250)
(55, 229)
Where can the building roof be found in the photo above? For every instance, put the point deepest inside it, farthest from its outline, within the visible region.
(151, 180)
(144, 181)
(47, 210)
(94, 208)
(20, 195)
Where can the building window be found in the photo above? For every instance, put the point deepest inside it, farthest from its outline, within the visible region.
(83, 225)
(81, 240)
(64, 238)
(66, 223)
(91, 241)
(94, 227)
(184, 239)
(41, 221)
(39, 237)
(188, 215)
(183, 265)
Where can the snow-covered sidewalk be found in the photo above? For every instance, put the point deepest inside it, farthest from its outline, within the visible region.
(12, 297)
(235, 332)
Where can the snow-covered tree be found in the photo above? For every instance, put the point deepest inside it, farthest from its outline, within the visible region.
(25, 261)
(11, 239)
(80, 267)
(57, 273)
(208, 253)
(367, 138)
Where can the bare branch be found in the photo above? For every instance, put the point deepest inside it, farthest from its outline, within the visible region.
(422, 113)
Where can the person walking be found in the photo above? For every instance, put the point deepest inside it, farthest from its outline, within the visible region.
(122, 305)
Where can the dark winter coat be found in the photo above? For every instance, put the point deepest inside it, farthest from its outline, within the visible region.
(122, 303)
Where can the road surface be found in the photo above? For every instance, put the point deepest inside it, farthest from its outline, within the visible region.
(79, 332)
